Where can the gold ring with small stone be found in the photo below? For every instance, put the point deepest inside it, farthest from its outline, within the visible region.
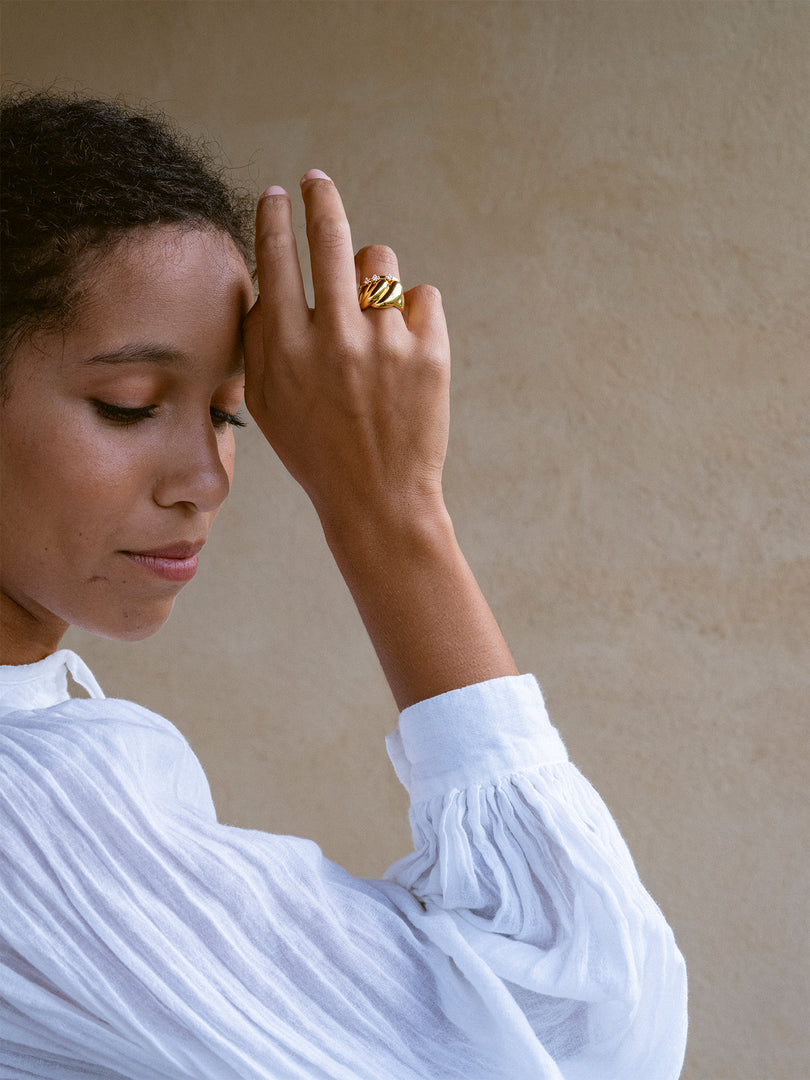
(381, 291)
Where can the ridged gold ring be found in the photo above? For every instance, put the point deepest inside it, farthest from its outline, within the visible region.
(381, 291)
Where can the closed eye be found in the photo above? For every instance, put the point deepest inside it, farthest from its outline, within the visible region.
(219, 418)
(118, 414)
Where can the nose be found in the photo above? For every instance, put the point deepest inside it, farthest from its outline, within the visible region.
(196, 470)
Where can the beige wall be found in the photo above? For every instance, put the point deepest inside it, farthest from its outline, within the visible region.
(612, 198)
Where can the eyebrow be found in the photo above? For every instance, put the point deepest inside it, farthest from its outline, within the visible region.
(140, 354)
(147, 353)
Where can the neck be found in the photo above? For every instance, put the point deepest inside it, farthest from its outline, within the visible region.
(25, 638)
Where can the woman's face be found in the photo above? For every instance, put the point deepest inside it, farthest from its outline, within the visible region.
(116, 447)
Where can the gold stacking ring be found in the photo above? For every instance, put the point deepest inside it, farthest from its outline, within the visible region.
(381, 291)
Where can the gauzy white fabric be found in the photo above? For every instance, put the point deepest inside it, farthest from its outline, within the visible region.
(141, 938)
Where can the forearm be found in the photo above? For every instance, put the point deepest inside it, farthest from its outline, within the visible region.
(429, 623)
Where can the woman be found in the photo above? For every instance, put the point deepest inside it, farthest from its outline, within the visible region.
(141, 938)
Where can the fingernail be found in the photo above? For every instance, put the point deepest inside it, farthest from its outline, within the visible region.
(315, 174)
(274, 190)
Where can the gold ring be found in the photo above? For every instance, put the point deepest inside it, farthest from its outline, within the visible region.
(381, 291)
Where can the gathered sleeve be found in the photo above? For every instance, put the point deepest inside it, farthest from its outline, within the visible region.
(515, 844)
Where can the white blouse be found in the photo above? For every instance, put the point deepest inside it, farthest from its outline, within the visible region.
(141, 938)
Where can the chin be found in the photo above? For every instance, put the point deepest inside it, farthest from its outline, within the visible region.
(128, 626)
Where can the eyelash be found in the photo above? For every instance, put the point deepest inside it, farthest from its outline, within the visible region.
(126, 417)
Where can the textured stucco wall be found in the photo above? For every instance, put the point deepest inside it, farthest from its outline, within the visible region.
(612, 197)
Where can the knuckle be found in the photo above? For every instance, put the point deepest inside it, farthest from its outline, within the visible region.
(345, 356)
(291, 351)
(330, 233)
(274, 246)
(434, 365)
(345, 351)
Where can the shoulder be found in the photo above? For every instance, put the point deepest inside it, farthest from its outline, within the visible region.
(78, 722)
(107, 745)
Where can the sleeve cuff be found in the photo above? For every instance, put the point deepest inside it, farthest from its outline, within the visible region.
(472, 736)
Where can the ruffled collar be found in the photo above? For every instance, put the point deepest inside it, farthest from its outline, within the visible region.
(40, 685)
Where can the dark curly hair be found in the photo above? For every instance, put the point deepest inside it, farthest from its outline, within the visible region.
(78, 173)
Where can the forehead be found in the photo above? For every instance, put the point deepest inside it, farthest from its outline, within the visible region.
(162, 266)
(179, 290)
(164, 291)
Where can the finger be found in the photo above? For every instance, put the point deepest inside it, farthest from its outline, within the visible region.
(424, 316)
(375, 259)
(330, 246)
(281, 286)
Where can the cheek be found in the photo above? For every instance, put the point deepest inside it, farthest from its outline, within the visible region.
(92, 466)
(74, 476)
(36, 467)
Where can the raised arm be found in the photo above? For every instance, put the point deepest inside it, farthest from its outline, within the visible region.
(519, 875)
(355, 403)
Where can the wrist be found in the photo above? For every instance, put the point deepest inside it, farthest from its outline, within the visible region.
(420, 603)
(389, 529)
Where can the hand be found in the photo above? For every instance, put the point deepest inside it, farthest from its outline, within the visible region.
(355, 403)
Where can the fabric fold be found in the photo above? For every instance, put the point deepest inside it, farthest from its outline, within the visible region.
(143, 938)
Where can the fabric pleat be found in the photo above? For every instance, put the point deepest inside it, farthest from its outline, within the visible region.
(142, 939)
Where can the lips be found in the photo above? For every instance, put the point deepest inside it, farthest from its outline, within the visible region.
(181, 549)
(172, 562)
